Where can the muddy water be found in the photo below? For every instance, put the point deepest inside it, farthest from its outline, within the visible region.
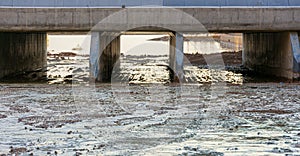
(138, 118)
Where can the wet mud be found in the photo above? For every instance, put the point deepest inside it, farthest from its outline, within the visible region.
(136, 117)
(110, 119)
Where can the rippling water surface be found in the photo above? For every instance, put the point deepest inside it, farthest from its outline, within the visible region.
(211, 114)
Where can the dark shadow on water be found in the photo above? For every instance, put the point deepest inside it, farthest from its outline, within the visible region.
(26, 77)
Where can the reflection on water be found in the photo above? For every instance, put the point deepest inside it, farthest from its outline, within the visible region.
(138, 70)
(154, 69)
(61, 71)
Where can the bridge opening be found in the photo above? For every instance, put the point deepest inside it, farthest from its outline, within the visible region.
(150, 57)
(67, 58)
(144, 58)
(213, 57)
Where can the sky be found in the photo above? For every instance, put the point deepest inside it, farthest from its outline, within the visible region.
(67, 42)
(130, 45)
(138, 45)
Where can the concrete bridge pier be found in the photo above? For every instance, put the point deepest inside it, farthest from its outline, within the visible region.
(275, 53)
(23, 53)
(104, 55)
(176, 57)
(294, 36)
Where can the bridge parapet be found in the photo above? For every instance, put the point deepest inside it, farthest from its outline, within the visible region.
(135, 3)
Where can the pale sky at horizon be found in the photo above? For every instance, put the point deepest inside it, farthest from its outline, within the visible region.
(130, 45)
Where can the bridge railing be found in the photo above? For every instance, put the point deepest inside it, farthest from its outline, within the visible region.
(132, 3)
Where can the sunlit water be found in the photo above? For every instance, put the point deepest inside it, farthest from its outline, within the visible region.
(138, 70)
(147, 115)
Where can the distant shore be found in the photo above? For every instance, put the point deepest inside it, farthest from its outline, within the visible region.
(229, 58)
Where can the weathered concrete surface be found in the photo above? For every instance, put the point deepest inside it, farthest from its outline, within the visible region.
(176, 57)
(22, 52)
(105, 53)
(200, 19)
(135, 3)
(94, 55)
(296, 51)
(269, 53)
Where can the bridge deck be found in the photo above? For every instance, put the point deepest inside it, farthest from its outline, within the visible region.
(181, 20)
(131, 3)
(188, 15)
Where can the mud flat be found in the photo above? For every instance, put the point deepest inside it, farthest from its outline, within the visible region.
(214, 113)
(119, 119)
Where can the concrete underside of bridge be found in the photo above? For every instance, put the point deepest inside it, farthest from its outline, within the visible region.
(22, 53)
(272, 53)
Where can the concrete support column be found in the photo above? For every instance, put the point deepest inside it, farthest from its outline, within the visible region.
(269, 53)
(94, 55)
(23, 53)
(176, 57)
(104, 55)
(296, 53)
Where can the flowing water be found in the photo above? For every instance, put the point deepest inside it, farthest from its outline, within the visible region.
(213, 113)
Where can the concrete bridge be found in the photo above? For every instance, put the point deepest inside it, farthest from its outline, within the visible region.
(270, 29)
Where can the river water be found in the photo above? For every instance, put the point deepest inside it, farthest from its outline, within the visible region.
(215, 112)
